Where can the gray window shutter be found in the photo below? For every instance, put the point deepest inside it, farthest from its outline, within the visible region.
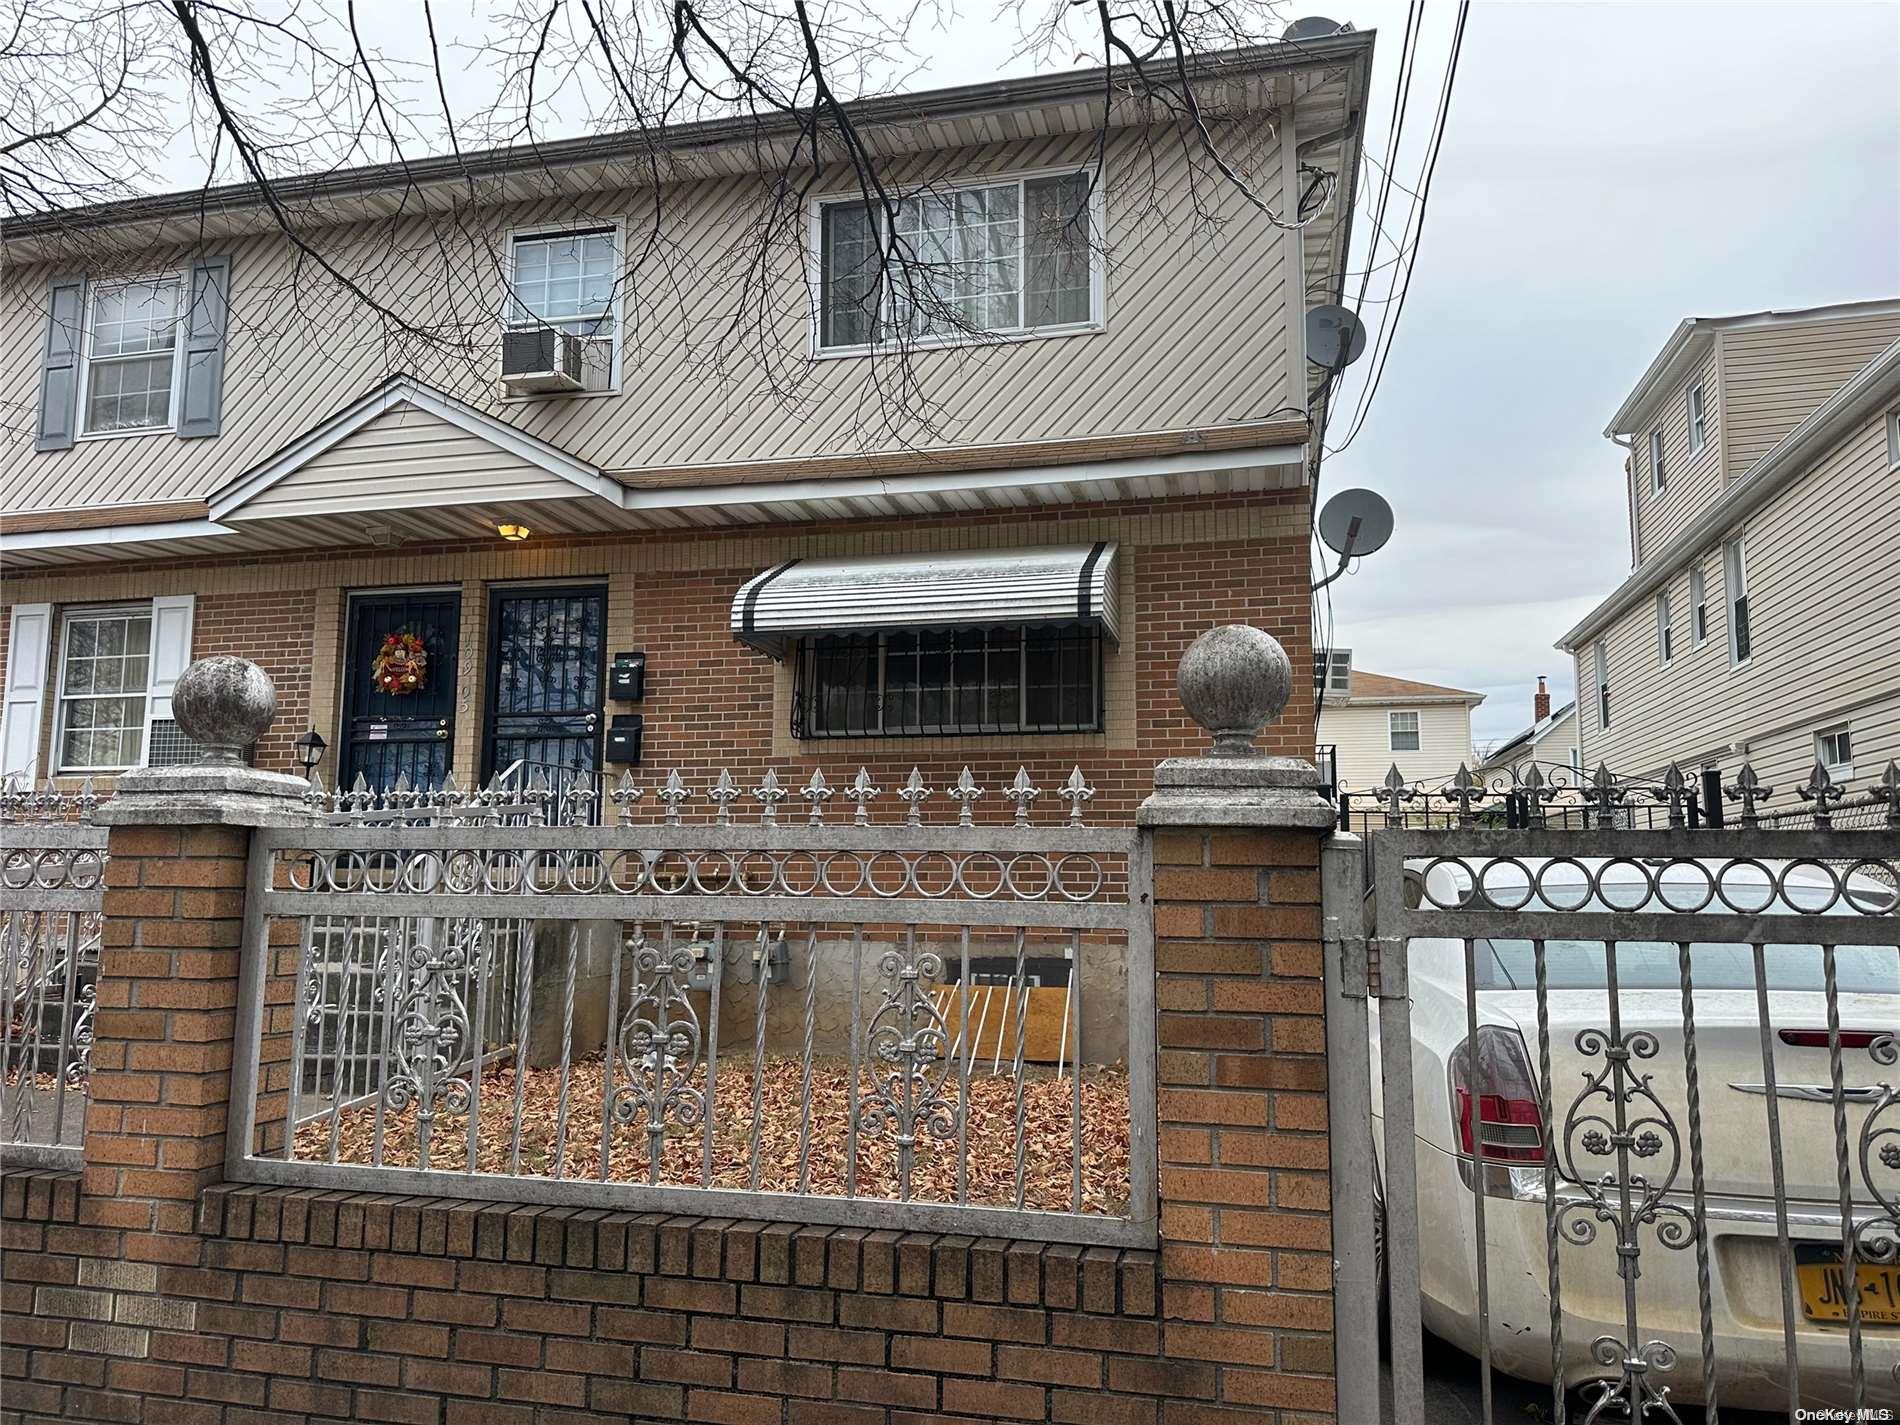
(59, 364)
(202, 397)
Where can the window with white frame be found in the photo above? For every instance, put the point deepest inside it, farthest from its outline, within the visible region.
(1893, 439)
(1698, 606)
(1735, 593)
(1657, 475)
(569, 281)
(131, 344)
(1005, 257)
(1665, 631)
(1698, 418)
(1602, 658)
(1834, 750)
(105, 659)
(1402, 731)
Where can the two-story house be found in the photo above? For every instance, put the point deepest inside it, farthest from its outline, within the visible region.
(1762, 619)
(636, 551)
(1370, 723)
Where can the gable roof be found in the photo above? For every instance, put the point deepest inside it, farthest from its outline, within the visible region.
(1382, 688)
(1860, 400)
(1530, 734)
(1688, 342)
(311, 475)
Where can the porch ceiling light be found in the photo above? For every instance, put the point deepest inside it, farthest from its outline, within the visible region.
(514, 533)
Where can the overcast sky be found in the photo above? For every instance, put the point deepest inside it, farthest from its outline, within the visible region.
(1607, 170)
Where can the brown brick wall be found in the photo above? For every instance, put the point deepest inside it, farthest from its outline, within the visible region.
(712, 702)
(1246, 1241)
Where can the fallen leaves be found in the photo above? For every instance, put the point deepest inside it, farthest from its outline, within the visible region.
(794, 1144)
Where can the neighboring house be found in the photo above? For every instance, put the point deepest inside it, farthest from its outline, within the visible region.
(1550, 742)
(1124, 465)
(1762, 620)
(1374, 723)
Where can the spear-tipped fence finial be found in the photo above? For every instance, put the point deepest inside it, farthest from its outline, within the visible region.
(861, 793)
(816, 793)
(1748, 790)
(1077, 793)
(1022, 794)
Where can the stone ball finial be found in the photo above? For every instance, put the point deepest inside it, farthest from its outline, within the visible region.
(1233, 681)
(224, 704)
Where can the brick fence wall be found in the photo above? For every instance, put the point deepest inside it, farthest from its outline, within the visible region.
(149, 1290)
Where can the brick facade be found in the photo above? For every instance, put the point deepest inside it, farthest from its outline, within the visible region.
(148, 1290)
(1189, 564)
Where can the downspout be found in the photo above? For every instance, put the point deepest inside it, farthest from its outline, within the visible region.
(1629, 495)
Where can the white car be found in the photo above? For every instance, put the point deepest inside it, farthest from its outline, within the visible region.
(1745, 1278)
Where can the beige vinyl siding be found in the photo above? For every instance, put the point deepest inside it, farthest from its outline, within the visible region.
(1776, 375)
(1823, 564)
(1195, 335)
(406, 457)
(1365, 755)
(1692, 481)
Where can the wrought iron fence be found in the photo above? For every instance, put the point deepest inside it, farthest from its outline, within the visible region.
(1635, 1111)
(876, 1016)
(1554, 796)
(52, 873)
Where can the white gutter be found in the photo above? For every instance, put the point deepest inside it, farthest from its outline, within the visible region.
(112, 534)
(1864, 394)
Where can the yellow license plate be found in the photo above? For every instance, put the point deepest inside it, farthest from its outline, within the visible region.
(1824, 1287)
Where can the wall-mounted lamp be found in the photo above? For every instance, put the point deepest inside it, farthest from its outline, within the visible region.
(513, 533)
(310, 749)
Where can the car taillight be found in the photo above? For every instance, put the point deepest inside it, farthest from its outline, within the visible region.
(1494, 1100)
(1817, 1038)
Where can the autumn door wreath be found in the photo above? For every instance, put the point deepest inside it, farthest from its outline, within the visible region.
(402, 665)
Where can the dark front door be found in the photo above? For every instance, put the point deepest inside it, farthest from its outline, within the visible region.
(407, 733)
(547, 665)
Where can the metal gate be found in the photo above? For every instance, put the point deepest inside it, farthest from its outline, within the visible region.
(1617, 1113)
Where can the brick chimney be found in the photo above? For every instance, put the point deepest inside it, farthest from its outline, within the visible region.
(1540, 704)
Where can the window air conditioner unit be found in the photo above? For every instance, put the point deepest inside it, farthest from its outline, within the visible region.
(540, 361)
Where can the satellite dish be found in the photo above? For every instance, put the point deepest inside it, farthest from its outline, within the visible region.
(1355, 523)
(1335, 338)
(1313, 27)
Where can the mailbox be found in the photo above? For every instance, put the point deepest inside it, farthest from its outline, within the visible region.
(623, 739)
(627, 679)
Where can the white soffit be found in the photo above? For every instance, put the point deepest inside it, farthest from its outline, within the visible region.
(1066, 583)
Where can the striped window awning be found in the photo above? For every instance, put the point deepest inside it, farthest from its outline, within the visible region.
(1068, 583)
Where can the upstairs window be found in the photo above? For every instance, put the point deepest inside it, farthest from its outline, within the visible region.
(569, 281)
(1834, 750)
(1735, 582)
(1603, 686)
(105, 659)
(1402, 731)
(1003, 258)
(131, 343)
(1665, 632)
(950, 682)
(1893, 439)
(1658, 477)
(1698, 606)
(1698, 418)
